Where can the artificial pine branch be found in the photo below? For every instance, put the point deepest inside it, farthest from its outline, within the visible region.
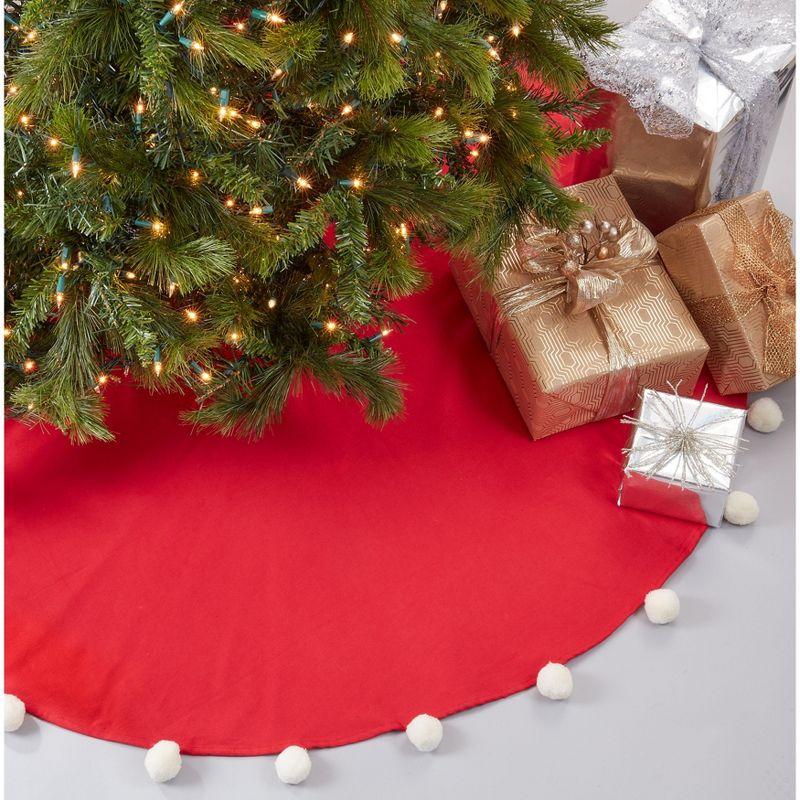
(223, 196)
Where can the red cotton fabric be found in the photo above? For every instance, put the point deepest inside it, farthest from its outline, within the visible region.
(326, 583)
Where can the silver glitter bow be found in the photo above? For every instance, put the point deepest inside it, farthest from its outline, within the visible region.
(655, 66)
(699, 453)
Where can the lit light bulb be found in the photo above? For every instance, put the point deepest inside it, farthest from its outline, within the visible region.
(157, 365)
(140, 107)
(194, 176)
(278, 72)
(24, 120)
(255, 124)
(474, 153)
(52, 143)
(20, 193)
(516, 30)
(234, 336)
(484, 138)
(29, 365)
(171, 288)
(190, 44)
(230, 203)
(271, 303)
(102, 379)
(131, 276)
(491, 37)
(494, 54)
(438, 54)
(275, 19)
(358, 183)
(12, 88)
(191, 315)
(158, 228)
(213, 90)
(348, 37)
(347, 109)
(438, 112)
(396, 37)
(7, 332)
(177, 8)
(331, 325)
(513, 113)
(60, 287)
(256, 211)
(468, 133)
(30, 36)
(303, 183)
(403, 230)
(386, 331)
(76, 161)
(240, 26)
(233, 113)
(205, 376)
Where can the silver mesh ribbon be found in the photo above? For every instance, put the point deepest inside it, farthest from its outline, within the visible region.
(655, 61)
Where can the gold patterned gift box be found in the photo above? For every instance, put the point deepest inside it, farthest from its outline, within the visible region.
(579, 322)
(734, 267)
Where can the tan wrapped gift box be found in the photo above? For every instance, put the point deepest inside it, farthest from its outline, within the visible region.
(734, 267)
(557, 365)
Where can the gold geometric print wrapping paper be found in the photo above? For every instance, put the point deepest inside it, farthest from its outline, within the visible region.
(557, 364)
(734, 267)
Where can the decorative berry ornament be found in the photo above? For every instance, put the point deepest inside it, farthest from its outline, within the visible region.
(293, 765)
(764, 415)
(14, 712)
(425, 732)
(741, 508)
(662, 606)
(163, 761)
(554, 681)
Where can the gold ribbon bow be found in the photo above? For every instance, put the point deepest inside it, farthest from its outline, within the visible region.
(763, 266)
(586, 265)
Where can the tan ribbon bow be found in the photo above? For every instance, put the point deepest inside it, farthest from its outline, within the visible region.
(587, 267)
(764, 269)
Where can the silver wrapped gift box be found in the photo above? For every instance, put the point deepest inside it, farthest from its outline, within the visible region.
(698, 92)
(681, 457)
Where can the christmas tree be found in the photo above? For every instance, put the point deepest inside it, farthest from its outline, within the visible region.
(222, 196)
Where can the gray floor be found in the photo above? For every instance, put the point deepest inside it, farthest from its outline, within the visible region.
(699, 710)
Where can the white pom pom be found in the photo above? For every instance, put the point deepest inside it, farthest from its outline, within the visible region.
(293, 765)
(764, 415)
(14, 712)
(163, 761)
(741, 508)
(662, 606)
(554, 681)
(425, 732)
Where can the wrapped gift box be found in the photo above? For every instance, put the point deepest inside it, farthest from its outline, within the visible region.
(681, 458)
(561, 367)
(692, 120)
(734, 267)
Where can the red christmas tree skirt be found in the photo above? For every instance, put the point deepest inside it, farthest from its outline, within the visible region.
(328, 582)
